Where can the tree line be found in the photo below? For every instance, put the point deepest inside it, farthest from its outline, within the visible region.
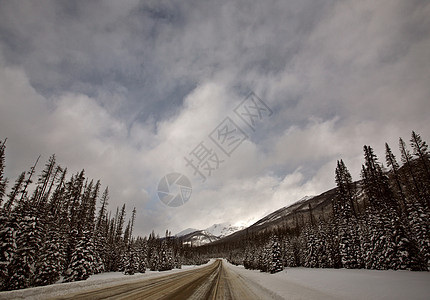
(379, 222)
(51, 230)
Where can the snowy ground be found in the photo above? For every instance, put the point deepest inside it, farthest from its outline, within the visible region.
(94, 282)
(304, 283)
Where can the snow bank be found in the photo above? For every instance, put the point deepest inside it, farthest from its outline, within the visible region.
(304, 283)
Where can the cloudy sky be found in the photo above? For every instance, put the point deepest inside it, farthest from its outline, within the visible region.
(128, 89)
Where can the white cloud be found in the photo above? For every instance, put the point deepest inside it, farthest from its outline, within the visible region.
(127, 91)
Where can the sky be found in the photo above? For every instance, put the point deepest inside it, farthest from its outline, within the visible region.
(128, 90)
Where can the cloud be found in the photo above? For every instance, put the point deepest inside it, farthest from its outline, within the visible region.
(126, 91)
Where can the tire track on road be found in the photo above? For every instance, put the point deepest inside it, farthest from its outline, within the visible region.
(181, 286)
(210, 282)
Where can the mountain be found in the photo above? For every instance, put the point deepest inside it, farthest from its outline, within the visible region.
(211, 234)
(198, 238)
(223, 229)
(308, 209)
(305, 210)
(295, 215)
(185, 232)
(283, 212)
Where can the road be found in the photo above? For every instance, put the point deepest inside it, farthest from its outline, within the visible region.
(214, 281)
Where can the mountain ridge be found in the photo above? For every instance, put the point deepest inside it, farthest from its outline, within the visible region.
(196, 237)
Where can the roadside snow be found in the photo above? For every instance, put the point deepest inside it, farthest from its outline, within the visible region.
(304, 283)
(95, 281)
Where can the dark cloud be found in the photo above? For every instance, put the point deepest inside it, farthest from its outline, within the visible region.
(148, 80)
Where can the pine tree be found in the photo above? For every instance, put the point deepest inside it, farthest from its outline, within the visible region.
(101, 234)
(345, 217)
(409, 255)
(326, 249)
(365, 242)
(276, 263)
(127, 234)
(116, 243)
(311, 248)
(131, 263)
(102, 212)
(378, 241)
(101, 246)
(56, 201)
(49, 265)
(421, 152)
(177, 262)
(44, 180)
(263, 258)
(154, 260)
(249, 258)
(8, 230)
(84, 221)
(288, 253)
(141, 249)
(376, 183)
(71, 211)
(419, 226)
(291, 258)
(28, 242)
(415, 186)
(74, 197)
(392, 163)
(380, 214)
(349, 245)
(81, 263)
(23, 200)
(120, 224)
(407, 252)
(346, 192)
(112, 257)
(3, 180)
(166, 257)
(17, 189)
(91, 208)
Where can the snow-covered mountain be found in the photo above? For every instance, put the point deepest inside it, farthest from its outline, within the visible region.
(284, 211)
(186, 231)
(223, 229)
(213, 233)
(219, 230)
(198, 238)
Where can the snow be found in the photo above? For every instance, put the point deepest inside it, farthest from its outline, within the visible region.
(284, 211)
(223, 229)
(94, 282)
(199, 238)
(218, 230)
(186, 231)
(305, 283)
